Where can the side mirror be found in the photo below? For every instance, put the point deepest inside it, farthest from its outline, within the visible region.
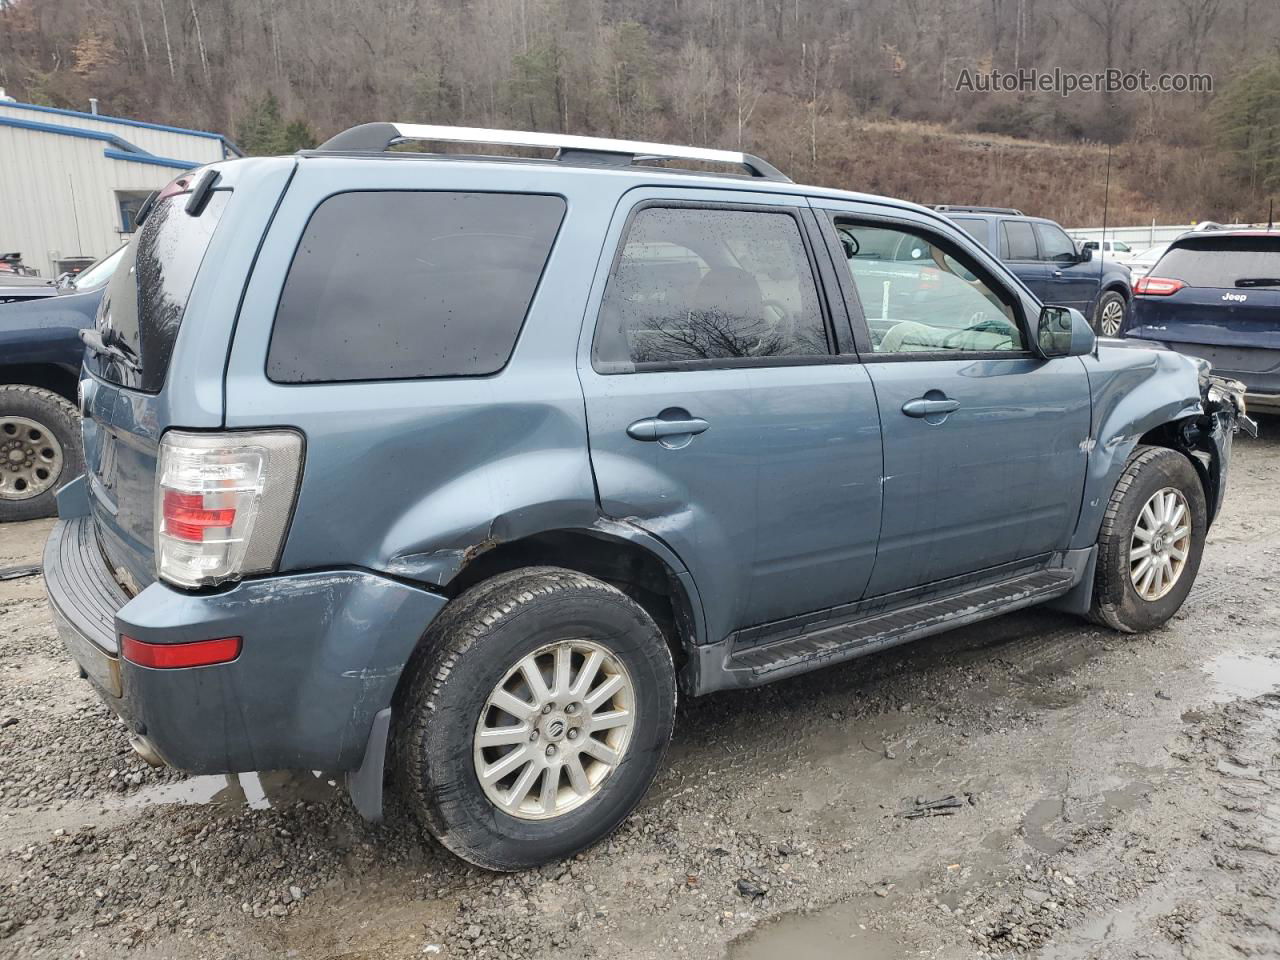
(1086, 254)
(1064, 332)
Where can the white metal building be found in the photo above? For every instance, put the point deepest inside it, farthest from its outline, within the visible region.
(71, 183)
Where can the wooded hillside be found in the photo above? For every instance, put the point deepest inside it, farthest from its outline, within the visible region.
(852, 93)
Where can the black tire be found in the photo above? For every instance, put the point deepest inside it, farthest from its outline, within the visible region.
(467, 652)
(1116, 601)
(1112, 298)
(58, 418)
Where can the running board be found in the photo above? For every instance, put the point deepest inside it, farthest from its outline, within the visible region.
(828, 643)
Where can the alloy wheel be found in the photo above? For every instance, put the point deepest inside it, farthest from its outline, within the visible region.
(554, 729)
(1160, 544)
(1112, 317)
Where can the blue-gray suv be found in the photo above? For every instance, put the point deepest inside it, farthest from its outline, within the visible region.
(458, 468)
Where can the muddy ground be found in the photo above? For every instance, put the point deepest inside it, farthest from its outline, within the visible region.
(1118, 797)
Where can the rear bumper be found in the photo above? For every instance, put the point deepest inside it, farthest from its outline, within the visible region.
(322, 654)
(1258, 368)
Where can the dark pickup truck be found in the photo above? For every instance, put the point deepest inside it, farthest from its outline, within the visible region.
(40, 355)
(1043, 257)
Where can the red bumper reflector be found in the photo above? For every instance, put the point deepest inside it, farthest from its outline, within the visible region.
(201, 653)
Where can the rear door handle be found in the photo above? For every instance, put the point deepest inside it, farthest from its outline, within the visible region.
(920, 407)
(656, 428)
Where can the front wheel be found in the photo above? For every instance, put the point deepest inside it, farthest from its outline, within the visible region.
(537, 718)
(1151, 541)
(1109, 316)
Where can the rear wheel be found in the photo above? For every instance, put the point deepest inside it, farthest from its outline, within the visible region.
(39, 450)
(1151, 541)
(537, 717)
(1109, 316)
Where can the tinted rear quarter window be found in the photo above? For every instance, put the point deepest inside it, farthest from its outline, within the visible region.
(407, 284)
(1222, 262)
(973, 227)
(143, 306)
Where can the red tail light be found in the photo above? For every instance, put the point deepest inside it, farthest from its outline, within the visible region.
(166, 656)
(1157, 286)
(187, 517)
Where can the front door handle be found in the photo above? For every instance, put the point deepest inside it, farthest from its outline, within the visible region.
(658, 428)
(922, 407)
(1057, 273)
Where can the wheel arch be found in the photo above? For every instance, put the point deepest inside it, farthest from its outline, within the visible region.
(616, 552)
(1184, 437)
(48, 376)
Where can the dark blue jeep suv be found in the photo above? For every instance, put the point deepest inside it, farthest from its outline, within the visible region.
(1217, 296)
(1043, 257)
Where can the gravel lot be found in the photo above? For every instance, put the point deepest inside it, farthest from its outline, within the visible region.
(1117, 797)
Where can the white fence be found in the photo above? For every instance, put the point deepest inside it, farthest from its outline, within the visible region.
(1147, 236)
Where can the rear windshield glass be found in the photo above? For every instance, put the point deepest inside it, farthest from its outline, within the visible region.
(1223, 262)
(143, 306)
(397, 285)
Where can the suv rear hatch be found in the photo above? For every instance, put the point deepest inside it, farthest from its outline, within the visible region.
(156, 356)
(1217, 296)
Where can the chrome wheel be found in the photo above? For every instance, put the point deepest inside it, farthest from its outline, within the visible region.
(1160, 544)
(554, 729)
(1112, 317)
(30, 458)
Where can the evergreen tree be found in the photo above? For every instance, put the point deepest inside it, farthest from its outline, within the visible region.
(1248, 117)
(262, 134)
(298, 135)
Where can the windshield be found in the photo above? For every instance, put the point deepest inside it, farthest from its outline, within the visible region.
(98, 273)
(1211, 261)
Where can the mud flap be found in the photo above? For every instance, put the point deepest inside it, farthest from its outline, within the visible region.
(1079, 598)
(365, 784)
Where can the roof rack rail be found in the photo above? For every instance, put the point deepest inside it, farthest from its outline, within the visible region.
(379, 137)
(960, 208)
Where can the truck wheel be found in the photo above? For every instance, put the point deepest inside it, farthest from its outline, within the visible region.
(536, 718)
(1108, 318)
(39, 450)
(1151, 541)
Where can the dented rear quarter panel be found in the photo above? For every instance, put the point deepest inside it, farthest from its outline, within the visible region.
(415, 478)
(1134, 391)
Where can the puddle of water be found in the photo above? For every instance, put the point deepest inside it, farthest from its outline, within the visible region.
(1048, 831)
(1125, 924)
(839, 931)
(231, 793)
(1240, 676)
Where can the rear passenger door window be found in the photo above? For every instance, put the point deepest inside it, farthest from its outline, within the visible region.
(389, 285)
(1017, 241)
(699, 286)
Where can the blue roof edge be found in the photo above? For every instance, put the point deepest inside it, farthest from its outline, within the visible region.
(59, 111)
(116, 148)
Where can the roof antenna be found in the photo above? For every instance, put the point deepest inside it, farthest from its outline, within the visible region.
(1102, 247)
